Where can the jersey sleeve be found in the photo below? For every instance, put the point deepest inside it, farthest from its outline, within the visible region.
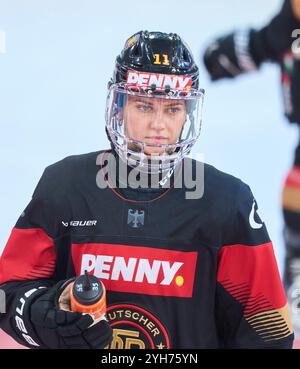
(28, 262)
(252, 309)
(30, 250)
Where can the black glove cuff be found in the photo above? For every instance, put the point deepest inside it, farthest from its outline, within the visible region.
(21, 317)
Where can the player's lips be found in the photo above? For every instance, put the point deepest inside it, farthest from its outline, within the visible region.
(156, 139)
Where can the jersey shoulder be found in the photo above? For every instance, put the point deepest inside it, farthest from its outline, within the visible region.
(68, 173)
(221, 185)
(222, 193)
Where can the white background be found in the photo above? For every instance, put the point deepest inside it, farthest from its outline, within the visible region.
(59, 57)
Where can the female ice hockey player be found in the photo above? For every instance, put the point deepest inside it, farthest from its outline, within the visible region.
(182, 268)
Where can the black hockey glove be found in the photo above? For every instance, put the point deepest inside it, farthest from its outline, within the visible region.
(55, 328)
(231, 55)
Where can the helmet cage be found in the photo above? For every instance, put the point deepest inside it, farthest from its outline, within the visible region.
(132, 151)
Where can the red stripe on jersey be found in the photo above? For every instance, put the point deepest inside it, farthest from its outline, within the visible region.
(28, 254)
(293, 178)
(250, 274)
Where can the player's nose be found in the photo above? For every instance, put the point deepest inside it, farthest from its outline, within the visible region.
(158, 121)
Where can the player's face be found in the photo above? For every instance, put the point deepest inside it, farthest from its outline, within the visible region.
(154, 121)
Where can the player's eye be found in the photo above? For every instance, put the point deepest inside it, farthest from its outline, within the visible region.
(174, 109)
(144, 108)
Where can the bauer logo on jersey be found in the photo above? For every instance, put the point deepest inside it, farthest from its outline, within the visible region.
(138, 269)
(181, 83)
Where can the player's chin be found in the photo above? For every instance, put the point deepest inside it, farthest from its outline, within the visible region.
(153, 148)
(154, 151)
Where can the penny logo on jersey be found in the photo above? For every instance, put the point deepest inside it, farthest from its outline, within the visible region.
(135, 328)
(138, 269)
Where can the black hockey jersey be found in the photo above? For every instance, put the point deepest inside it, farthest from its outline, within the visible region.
(179, 273)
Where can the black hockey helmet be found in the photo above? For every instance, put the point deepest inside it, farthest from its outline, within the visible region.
(154, 67)
(156, 52)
